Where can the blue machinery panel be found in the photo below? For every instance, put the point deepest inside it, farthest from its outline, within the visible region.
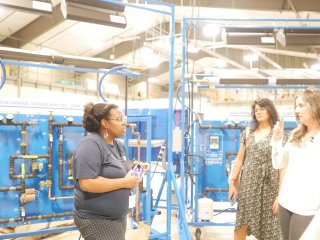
(36, 182)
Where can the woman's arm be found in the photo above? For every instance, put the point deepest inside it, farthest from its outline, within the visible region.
(279, 154)
(102, 184)
(237, 164)
(235, 171)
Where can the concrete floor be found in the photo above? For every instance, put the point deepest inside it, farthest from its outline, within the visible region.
(159, 224)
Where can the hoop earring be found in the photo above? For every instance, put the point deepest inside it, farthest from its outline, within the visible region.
(106, 134)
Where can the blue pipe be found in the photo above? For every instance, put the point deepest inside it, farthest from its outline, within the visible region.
(260, 86)
(4, 74)
(256, 27)
(38, 232)
(141, 7)
(68, 68)
(102, 78)
(253, 19)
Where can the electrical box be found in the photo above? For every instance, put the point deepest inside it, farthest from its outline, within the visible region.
(214, 142)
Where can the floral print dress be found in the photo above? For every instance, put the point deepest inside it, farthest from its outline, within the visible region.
(258, 189)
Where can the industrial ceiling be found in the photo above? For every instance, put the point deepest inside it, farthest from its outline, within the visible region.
(82, 33)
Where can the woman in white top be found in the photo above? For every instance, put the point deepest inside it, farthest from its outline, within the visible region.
(299, 159)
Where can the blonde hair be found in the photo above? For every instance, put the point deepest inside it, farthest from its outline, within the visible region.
(311, 98)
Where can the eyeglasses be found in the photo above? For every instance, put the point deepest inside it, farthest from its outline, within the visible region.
(122, 119)
(259, 110)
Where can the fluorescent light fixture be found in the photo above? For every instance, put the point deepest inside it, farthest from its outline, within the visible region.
(272, 80)
(251, 57)
(211, 30)
(118, 19)
(43, 7)
(92, 13)
(268, 39)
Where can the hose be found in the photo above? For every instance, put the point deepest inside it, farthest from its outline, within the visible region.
(102, 78)
(4, 74)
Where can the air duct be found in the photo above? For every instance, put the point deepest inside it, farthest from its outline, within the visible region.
(291, 36)
(94, 12)
(43, 7)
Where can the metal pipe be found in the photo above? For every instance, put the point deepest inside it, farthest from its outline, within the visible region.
(133, 126)
(222, 127)
(5, 189)
(38, 217)
(33, 160)
(57, 198)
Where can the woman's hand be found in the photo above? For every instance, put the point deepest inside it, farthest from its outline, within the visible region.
(146, 166)
(275, 206)
(131, 181)
(278, 130)
(233, 188)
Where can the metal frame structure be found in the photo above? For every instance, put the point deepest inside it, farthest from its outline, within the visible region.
(170, 177)
(264, 83)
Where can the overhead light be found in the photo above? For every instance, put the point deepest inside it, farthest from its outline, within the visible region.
(289, 36)
(93, 13)
(272, 80)
(268, 40)
(43, 7)
(281, 38)
(211, 30)
(251, 57)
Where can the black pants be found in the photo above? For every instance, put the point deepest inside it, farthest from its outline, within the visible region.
(293, 225)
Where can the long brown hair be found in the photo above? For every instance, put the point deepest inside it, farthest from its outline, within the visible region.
(311, 97)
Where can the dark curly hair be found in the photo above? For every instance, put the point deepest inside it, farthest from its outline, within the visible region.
(269, 106)
(94, 113)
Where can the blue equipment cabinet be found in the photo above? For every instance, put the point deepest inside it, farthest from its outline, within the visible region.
(36, 183)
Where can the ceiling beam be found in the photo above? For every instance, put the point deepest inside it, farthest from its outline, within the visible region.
(124, 47)
(69, 60)
(127, 46)
(34, 29)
